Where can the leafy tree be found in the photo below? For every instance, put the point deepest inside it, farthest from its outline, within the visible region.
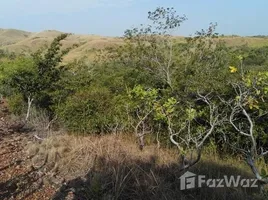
(246, 116)
(205, 60)
(141, 105)
(36, 83)
(150, 48)
(48, 71)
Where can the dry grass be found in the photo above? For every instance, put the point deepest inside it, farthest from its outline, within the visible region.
(12, 36)
(76, 155)
(113, 167)
(21, 41)
(250, 41)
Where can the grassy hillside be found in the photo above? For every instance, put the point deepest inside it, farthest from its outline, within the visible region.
(250, 41)
(12, 36)
(21, 41)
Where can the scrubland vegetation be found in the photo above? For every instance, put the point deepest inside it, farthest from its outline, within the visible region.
(138, 115)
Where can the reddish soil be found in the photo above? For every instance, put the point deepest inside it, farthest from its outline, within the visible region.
(18, 178)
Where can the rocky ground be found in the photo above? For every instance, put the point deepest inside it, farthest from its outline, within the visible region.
(19, 179)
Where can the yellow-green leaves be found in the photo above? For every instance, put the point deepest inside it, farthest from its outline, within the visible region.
(237, 98)
(240, 57)
(258, 83)
(191, 113)
(165, 110)
(252, 103)
(169, 105)
(247, 81)
(232, 69)
(140, 93)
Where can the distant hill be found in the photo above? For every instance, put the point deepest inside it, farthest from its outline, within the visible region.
(19, 41)
(12, 36)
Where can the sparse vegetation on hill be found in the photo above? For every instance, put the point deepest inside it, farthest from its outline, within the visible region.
(12, 36)
(27, 42)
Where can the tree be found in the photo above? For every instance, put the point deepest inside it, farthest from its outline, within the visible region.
(48, 71)
(205, 58)
(142, 104)
(193, 129)
(151, 48)
(246, 117)
(36, 83)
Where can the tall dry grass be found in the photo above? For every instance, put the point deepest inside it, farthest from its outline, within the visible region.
(113, 167)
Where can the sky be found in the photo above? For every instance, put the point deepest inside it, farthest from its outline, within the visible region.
(113, 17)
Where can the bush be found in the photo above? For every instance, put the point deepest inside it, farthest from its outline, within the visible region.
(89, 111)
(17, 104)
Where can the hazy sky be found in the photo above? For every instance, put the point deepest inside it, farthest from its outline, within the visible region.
(112, 17)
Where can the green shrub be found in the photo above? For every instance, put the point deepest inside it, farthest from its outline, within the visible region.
(92, 110)
(17, 104)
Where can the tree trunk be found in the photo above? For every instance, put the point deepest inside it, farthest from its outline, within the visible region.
(30, 100)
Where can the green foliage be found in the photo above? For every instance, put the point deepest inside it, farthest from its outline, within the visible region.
(34, 78)
(139, 95)
(11, 81)
(151, 84)
(206, 59)
(148, 50)
(165, 111)
(181, 94)
(16, 104)
(191, 114)
(141, 104)
(90, 111)
(48, 71)
(257, 56)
